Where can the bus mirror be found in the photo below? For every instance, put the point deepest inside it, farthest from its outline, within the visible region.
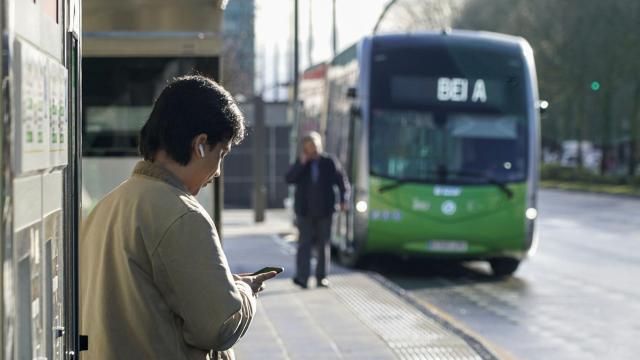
(352, 92)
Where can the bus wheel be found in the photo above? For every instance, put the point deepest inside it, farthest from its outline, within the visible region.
(504, 266)
(350, 255)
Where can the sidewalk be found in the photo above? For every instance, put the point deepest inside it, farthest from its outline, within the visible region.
(360, 316)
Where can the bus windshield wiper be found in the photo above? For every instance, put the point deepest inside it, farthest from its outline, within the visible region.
(395, 184)
(501, 185)
(489, 179)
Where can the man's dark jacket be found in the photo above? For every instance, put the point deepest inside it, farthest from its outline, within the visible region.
(317, 198)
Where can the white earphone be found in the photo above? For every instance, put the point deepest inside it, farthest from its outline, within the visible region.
(201, 148)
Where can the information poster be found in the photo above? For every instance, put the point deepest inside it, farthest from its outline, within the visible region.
(41, 120)
(57, 103)
(32, 118)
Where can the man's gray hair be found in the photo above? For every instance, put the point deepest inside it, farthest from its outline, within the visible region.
(315, 138)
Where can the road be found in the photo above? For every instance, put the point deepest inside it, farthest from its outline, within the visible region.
(578, 297)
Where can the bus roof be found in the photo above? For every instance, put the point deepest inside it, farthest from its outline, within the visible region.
(480, 39)
(317, 71)
(346, 55)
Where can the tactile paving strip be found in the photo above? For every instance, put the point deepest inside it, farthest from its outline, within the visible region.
(411, 332)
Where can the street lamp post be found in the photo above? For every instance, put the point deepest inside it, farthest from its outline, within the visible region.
(294, 96)
(334, 30)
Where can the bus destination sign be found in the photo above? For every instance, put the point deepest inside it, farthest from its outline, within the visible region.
(475, 92)
(457, 90)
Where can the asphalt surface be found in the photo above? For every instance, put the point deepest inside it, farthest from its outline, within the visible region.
(578, 297)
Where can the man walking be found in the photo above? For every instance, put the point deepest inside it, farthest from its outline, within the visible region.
(315, 176)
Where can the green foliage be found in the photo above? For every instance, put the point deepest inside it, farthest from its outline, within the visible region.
(555, 172)
(596, 188)
(586, 53)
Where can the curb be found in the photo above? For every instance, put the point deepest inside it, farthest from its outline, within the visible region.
(482, 347)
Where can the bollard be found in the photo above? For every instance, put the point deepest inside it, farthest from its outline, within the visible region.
(259, 153)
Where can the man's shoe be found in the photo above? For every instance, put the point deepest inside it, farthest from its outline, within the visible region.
(299, 283)
(323, 283)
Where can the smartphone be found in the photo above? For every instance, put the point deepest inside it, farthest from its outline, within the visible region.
(268, 269)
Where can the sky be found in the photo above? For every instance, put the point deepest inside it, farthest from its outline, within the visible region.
(274, 24)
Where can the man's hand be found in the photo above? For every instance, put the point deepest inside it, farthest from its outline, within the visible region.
(255, 282)
(344, 207)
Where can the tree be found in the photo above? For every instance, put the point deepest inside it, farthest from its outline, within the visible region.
(421, 15)
(576, 43)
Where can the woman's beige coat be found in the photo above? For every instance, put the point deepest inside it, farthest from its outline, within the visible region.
(154, 281)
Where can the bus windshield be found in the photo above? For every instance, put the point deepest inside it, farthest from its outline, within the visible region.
(448, 114)
(465, 148)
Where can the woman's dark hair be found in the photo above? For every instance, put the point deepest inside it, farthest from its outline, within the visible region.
(189, 106)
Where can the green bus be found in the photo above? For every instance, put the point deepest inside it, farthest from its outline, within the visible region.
(439, 133)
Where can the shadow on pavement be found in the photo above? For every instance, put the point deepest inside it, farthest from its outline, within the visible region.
(421, 273)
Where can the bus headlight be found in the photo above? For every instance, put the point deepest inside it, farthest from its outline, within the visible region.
(531, 213)
(362, 206)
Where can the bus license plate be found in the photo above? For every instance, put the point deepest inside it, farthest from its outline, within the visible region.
(447, 245)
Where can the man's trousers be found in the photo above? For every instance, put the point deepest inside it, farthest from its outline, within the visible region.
(314, 233)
